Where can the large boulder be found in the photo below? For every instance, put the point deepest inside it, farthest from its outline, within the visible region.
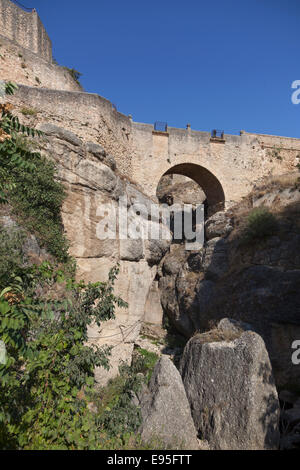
(229, 384)
(218, 225)
(215, 259)
(165, 409)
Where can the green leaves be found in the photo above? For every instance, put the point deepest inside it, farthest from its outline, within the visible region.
(50, 369)
(10, 88)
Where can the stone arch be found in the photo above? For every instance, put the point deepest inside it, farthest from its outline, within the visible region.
(207, 181)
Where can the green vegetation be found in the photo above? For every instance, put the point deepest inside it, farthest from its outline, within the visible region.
(27, 183)
(275, 153)
(118, 417)
(28, 112)
(260, 224)
(47, 382)
(48, 376)
(11, 254)
(74, 74)
(144, 362)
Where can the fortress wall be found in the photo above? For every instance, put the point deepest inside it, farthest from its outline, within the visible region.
(271, 141)
(22, 66)
(89, 116)
(283, 149)
(25, 29)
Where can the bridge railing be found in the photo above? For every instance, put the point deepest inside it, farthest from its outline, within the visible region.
(217, 134)
(161, 126)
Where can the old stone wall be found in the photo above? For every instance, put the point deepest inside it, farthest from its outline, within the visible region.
(23, 66)
(89, 116)
(25, 29)
(226, 169)
(93, 189)
(238, 162)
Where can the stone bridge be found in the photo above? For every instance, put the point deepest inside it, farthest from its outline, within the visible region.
(225, 168)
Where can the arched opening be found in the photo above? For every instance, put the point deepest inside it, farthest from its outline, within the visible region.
(214, 199)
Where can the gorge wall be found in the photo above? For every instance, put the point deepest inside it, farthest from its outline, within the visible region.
(102, 155)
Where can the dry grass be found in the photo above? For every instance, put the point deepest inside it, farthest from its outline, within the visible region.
(280, 182)
(241, 211)
(217, 336)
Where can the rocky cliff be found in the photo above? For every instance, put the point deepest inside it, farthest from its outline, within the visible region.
(93, 183)
(254, 279)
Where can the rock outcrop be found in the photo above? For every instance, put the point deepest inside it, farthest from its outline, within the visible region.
(165, 409)
(178, 189)
(94, 191)
(228, 379)
(257, 282)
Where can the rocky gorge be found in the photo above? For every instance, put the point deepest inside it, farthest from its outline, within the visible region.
(217, 325)
(235, 302)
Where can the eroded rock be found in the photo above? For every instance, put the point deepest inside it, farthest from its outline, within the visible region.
(230, 388)
(165, 409)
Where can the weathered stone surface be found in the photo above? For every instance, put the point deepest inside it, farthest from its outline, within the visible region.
(98, 151)
(156, 249)
(38, 71)
(184, 294)
(215, 261)
(178, 189)
(131, 250)
(231, 392)
(153, 309)
(90, 218)
(165, 409)
(60, 133)
(218, 225)
(234, 326)
(173, 261)
(278, 198)
(256, 283)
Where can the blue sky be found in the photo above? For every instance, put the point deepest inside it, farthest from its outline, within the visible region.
(225, 64)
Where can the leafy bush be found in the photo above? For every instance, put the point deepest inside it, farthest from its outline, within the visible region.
(47, 381)
(260, 224)
(11, 254)
(49, 372)
(74, 74)
(117, 417)
(37, 199)
(27, 181)
(144, 362)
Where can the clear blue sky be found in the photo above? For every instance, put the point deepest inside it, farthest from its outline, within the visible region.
(225, 64)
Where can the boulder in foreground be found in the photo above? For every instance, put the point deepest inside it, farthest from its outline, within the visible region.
(228, 379)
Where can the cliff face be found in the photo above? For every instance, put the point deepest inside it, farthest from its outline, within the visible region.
(256, 281)
(94, 190)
